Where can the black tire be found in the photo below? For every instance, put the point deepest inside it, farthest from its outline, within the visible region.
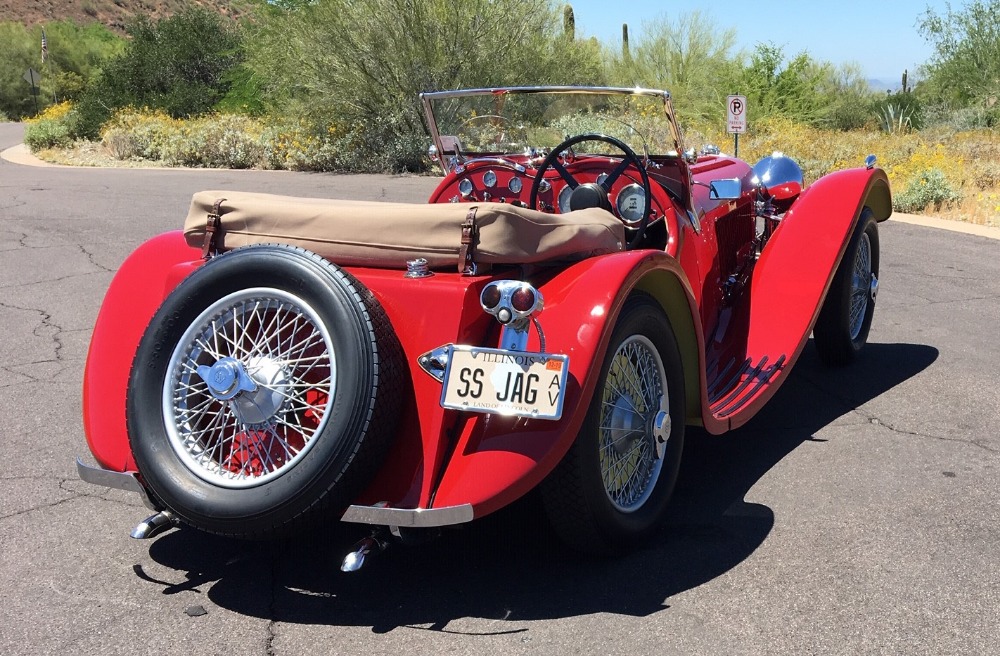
(314, 406)
(843, 324)
(577, 497)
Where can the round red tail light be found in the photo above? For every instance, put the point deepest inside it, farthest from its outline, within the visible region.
(490, 297)
(523, 299)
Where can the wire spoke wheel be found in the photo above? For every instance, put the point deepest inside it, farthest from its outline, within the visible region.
(264, 393)
(845, 319)
(861, 285)
(249, 387)
(613, 485)
(632, 395)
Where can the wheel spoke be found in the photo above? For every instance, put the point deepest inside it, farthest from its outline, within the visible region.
(633, 385)
(278, 343)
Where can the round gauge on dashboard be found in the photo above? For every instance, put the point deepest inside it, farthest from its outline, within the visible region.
(631, 204)
(601, 178)
(489, 179)
(465, 187)
(564, 196)
(515, 185)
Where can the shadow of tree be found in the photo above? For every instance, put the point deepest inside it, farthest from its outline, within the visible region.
(509, 566)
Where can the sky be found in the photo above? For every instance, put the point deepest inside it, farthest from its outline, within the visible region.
(880, 35)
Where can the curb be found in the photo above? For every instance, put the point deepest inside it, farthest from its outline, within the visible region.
(989, 232)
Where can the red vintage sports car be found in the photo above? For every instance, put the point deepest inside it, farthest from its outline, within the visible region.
(282, 361)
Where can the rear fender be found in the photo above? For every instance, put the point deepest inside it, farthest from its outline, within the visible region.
(498, 459)
(137, 290)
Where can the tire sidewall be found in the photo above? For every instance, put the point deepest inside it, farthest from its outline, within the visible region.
(640, 317)
(289, 494)
(832, 332)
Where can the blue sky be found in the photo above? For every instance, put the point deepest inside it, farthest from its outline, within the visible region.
(880, 35)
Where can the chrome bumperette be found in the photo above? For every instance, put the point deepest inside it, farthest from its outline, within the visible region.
(409, 517)
(128, 481)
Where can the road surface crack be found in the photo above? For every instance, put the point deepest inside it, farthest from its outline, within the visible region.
(876, 421)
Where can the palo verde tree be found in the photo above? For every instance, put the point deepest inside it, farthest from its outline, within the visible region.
(364, 63)
(965, 67)
(688, 56)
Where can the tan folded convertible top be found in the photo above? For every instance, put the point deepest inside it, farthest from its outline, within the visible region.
(386, 235)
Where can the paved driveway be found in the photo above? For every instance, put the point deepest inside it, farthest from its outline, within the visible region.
(857, 514)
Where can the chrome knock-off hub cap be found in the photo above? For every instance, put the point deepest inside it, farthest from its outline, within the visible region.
(248, 387)
(635, 424)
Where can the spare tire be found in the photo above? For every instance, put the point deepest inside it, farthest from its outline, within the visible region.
(264, 392)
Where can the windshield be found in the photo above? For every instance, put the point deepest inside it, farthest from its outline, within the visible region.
(533, 120)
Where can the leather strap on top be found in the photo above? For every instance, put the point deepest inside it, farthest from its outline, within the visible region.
(208, 247)
(467, 253)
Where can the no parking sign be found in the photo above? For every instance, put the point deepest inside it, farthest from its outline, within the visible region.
(736, 110)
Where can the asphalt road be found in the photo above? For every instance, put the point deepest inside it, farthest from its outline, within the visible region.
(857, 514)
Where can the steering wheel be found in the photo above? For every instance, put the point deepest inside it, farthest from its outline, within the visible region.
(592, 194)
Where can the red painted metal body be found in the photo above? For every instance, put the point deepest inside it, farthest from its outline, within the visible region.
(444, 457)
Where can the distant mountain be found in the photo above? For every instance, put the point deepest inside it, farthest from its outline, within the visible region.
(113, 13)
(882, 85)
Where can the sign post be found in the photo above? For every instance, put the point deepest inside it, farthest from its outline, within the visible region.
(33, 77)
(736, 119)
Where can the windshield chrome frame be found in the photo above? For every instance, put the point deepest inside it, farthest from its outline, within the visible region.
(445, 160)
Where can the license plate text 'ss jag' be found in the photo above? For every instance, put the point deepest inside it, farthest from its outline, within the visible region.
(505, 382)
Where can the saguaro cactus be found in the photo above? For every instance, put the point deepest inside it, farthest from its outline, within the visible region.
(569, 22)
(625, 52)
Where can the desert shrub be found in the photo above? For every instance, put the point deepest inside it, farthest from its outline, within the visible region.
(930, 189)
(138, 134)
(216, 141)
(50, 129)
(356, 147)
(3, 117)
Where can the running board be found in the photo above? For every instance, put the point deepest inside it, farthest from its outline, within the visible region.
(733, 387)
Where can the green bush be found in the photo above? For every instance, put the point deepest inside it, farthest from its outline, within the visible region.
(179, 64)
(3, 117)
(929, 189)
(48, 133)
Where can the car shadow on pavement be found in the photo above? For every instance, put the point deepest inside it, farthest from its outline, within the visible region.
(509, 567)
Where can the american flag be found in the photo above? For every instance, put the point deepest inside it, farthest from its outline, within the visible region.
(45, 46)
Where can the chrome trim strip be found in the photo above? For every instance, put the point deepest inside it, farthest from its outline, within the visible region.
(409, 517)
(107, 478)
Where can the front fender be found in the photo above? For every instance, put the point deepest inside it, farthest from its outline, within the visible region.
(498, 459)
(796, 269)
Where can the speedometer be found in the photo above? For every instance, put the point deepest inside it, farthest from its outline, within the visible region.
(564, 195)
(631, 204)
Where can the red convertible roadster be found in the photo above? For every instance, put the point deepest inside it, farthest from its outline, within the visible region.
(578, 290)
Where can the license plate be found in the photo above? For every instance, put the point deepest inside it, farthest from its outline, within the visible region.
(505, 382)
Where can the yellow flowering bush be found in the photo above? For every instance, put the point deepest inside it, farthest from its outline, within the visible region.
(51, 128)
